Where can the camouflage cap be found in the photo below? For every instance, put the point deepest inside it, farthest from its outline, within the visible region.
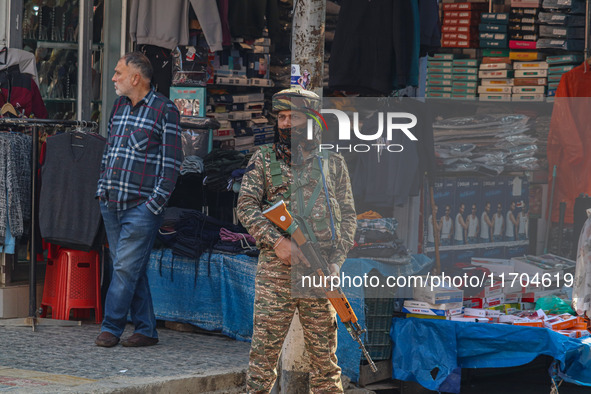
(295, 100)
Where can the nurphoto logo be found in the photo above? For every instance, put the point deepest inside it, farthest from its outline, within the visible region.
(387, 123)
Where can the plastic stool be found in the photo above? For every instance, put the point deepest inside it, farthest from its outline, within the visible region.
(82, 282)
(51, 290)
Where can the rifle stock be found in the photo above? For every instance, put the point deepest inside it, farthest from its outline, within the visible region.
(280, 216)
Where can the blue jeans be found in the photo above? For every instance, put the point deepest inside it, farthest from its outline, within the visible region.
(131, 234)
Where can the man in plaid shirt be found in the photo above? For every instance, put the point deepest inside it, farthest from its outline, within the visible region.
(138, 173)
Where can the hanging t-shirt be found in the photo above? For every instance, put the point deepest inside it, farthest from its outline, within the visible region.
(569, 140)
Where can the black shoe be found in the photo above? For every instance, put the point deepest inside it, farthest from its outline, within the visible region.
(139, 340)
(106, 339)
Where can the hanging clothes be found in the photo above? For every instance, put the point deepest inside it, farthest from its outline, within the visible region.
(376, 46)
(166, 23)
(22, 92)
(247, 18)
(223, 7)
(361, 54)
(15, 180)
(430, 26)
(161, 61)
(69, 214)
(582, 285)
(569, 140)
(25, 61)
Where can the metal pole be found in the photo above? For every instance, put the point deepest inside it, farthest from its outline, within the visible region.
(84, 88)
(307, 52)
(33, 249)
(586, 30)
(437, 270)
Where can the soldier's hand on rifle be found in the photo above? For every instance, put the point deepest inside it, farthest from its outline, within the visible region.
(334, 269)
(289, 252)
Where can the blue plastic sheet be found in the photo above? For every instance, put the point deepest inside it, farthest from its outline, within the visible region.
(428, 351)
(219, 298)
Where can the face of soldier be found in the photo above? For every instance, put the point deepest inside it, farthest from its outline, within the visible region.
(291, 124)
(291, 119)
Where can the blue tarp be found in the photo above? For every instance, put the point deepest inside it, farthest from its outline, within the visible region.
(420, 345)
(221, 296)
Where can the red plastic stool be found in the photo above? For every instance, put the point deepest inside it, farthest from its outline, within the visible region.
(51, 290)
(81, 288)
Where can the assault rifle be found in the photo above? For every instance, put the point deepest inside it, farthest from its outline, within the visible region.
(280, 216)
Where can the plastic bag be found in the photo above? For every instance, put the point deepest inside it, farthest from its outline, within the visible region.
(554, 305)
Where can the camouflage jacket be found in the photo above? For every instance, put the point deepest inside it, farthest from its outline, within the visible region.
(258, 193)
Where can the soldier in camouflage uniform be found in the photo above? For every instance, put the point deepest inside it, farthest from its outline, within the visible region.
(273, 174)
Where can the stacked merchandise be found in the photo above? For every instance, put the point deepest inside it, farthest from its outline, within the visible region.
(562, 25)
(558, 65)
(540, 132)
(439, 75)
(496, 74)
(376, 239)
(523, 31)
(464, 78)
(192, 64)
(530, 81)
(486, 143)
(493, 30)
(432, 300)
(244, 64)
(460, 24)
(241, 117)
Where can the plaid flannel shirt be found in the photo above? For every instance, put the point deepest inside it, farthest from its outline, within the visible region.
(143, 153)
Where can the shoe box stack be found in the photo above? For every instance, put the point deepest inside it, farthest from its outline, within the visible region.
(242, 122)
(439, 75)
(523, 28)
(558, 65)
(464, 79)
(496, 75)
(530, 80)
(562, 25)
(493, 32)
(460, 24)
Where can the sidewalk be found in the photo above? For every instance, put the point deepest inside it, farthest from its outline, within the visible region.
(65, 359)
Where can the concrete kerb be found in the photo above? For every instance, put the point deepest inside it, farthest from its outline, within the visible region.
(223, 381)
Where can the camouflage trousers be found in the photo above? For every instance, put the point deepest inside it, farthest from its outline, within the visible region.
(273, 311)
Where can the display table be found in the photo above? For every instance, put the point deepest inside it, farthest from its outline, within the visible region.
(449, 346)
(217, 294)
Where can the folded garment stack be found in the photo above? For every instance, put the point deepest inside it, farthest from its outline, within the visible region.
(376, 239)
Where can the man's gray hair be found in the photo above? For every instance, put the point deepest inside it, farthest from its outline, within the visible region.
(141, 62)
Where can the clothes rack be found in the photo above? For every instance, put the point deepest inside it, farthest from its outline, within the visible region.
(34, 125)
